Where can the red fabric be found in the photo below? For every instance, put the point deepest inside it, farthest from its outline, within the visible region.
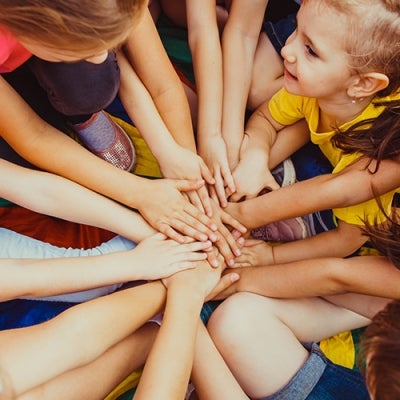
(12, 53)
(183, 78)
(52, 230)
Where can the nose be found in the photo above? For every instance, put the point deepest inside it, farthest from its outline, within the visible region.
(287, 51)
(98, 58)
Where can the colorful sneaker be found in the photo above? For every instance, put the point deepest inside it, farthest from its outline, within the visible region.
(93, 133)
(121, 153)
(290, 229)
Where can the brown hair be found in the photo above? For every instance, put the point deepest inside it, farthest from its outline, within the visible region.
(373, 45)
(380, 353)
(386, 237)
(71, 24)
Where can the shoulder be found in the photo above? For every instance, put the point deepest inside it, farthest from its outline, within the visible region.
(12, 53)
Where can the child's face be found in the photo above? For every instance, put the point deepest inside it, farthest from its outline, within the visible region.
(54, 55)
(315, 60)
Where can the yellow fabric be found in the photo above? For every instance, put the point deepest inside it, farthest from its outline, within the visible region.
(286, 109)
(127, 384)
(146, 163)
(340, 349)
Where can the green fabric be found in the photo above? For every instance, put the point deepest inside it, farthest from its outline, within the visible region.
(5, 203)
(175, 41)
(129, 395)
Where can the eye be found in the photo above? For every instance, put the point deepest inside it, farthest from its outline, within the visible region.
(310, 51)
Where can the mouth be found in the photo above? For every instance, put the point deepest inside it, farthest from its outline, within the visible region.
(289, 75)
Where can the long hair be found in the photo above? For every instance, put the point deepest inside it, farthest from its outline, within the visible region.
(71, 24)
(372, 43)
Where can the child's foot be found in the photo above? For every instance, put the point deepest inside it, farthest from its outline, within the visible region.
(105, 138)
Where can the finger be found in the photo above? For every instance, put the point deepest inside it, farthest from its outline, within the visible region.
(196, 246)
(205, 201)
(198, 220)
(206, 173)
(227, 219)
(213, 259)
(184, 185)
(213, 194)
(171, 233)
(194, 199)
(236, 197)
(220, 190)
(228, 179)
(225, 285)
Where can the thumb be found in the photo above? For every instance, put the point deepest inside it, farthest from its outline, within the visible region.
(224, 283)
(185, 185)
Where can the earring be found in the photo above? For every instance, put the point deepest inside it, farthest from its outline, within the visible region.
(353, 101)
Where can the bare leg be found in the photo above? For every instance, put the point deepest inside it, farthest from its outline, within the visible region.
(260, 338)
(210, 375)
(267, 76)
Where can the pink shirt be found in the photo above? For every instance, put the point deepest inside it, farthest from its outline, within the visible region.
(12, 53)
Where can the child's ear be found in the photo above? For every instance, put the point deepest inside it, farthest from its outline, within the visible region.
(368, 84)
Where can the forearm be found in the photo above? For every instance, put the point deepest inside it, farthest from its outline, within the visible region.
(171, 358)
(54, 276)
(206, 52)
(239, 42)
(141, 108)
(323, 192)
(91, 327)
(374, 276)
(150, 61)
(55, 196)
(333, 243)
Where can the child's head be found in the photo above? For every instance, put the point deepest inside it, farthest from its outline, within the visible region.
(84, 27)
(372, 36)
(380, 350)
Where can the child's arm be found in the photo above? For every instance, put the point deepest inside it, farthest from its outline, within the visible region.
(159, 201)
(75, 337)
(154, 98)
(154, 258)
(354, 185)
(340, 242)
(167, 370)
(205, 46)
(370, 275)
(53, 195)
(239, 42)
(266, 143)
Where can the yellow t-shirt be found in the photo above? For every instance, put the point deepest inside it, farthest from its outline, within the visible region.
(287, 109)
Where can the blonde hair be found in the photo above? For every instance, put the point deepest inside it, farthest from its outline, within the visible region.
(372, 36)
(73, 25)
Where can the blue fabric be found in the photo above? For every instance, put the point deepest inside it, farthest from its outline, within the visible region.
(320, 379)
(279, 31)
(21, 313)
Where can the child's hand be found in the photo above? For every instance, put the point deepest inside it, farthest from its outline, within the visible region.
(203, 280)
(167, 210)
(184, 164)
(227, 243)
(255, 253)
(252, 175)
(160, 257)
(215, 156)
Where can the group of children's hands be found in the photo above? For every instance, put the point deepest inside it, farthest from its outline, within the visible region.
(194, 197)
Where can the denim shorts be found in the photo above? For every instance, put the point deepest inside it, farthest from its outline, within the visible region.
(320, 379)
(279, 31)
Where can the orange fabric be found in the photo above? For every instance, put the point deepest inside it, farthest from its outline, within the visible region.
(52, 230)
